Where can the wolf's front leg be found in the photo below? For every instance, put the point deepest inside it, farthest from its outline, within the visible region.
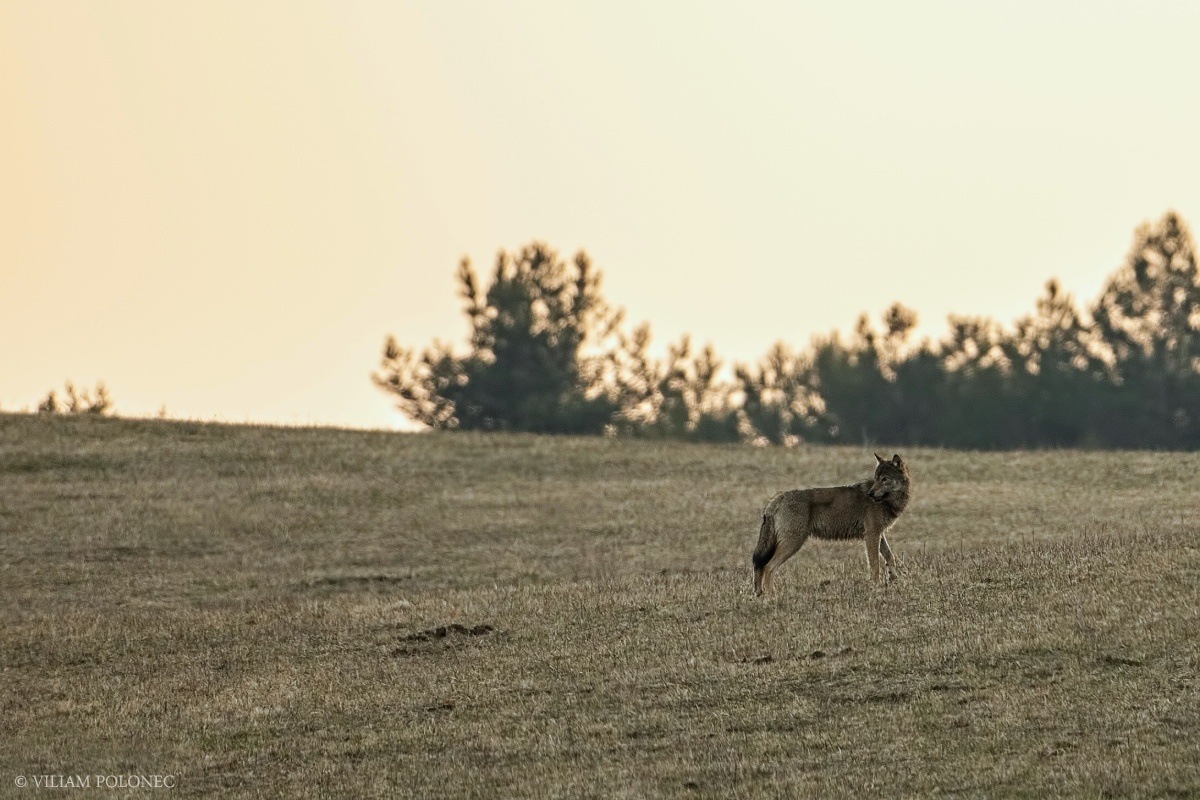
(873, 540)
(889, 558)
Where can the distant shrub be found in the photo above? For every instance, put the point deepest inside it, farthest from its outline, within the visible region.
(96, 401)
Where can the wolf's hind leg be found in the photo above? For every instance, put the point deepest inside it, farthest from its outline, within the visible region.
(788, 546)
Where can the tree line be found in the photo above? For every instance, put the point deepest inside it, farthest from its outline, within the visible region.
(548, 354)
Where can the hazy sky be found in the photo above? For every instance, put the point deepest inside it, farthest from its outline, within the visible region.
(222, 208)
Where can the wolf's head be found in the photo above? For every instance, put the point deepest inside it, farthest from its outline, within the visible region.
(891, 478)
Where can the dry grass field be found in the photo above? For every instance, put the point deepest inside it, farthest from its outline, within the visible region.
(321, 613)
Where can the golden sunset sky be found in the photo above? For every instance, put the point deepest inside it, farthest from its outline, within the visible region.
(222, 208)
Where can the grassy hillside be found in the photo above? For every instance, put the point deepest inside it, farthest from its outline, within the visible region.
(266, 612)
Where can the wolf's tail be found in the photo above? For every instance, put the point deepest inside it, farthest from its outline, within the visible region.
(766, 543)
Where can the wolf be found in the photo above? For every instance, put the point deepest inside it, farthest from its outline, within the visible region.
(863, 510)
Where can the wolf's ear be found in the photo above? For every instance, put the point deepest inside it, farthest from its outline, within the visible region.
(896, 460)
(878, 458)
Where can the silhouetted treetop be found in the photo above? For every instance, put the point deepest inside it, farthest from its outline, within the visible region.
(527, 367)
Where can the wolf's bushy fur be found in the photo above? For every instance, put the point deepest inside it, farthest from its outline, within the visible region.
(860, 511)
